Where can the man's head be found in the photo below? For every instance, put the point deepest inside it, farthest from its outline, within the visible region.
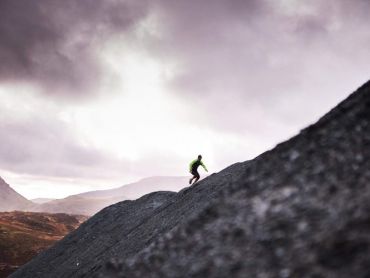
(199, 157)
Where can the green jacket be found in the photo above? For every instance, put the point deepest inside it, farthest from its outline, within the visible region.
(195, 164)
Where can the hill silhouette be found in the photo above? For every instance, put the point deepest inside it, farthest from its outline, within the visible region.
(89, 203)
(12, 200)
(299, 210)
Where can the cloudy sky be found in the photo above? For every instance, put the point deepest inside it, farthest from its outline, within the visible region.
(95, 94)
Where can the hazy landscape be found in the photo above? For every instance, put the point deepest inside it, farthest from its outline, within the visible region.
(88, 203)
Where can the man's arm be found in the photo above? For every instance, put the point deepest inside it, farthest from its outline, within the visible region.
(204, 166)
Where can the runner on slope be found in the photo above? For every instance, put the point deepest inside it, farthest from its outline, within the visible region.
(194, 169)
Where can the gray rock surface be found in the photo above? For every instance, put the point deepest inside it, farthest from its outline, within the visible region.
(96, 240)
(299, 210)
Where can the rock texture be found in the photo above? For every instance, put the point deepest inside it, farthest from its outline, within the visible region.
(11, 200)
(299, 210)
(101, 237)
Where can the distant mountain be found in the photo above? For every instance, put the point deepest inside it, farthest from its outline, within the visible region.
(137, 189)
(11, 200)
(90, 203)
(41, 200)
(25, 234)
(77, 205)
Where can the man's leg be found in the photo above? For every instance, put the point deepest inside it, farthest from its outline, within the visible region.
(191, 180)
(197, 176)
(193, 173)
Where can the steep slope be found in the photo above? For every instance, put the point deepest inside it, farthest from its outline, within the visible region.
(11, 200)
(299, 210)
(25, 234)
(127, 241)
(99, 238)
(90, 203)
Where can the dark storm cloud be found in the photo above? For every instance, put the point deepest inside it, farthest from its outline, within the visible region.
(241, 56)
(42, 147)
(52, 43)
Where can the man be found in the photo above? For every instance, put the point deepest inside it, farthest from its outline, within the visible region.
(194, 169)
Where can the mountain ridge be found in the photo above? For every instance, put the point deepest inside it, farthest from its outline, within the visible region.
(88, 203)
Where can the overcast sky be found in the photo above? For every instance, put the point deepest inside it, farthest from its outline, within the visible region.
(95, 94)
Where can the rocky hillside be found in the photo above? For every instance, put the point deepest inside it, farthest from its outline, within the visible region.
(11, 200)
(25, 234)
(299, 210)
(101, 237)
